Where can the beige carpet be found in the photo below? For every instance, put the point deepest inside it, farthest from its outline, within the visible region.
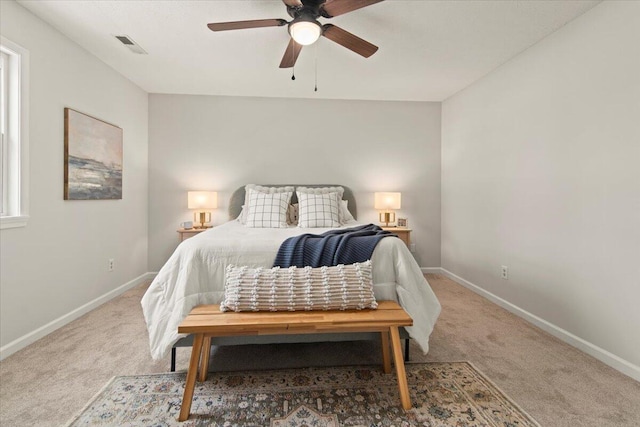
(49, 381)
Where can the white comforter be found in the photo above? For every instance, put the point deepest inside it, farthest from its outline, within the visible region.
(194, 275)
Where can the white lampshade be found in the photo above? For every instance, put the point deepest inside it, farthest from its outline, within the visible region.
(202, 199)
(305, 32)
(387, 201)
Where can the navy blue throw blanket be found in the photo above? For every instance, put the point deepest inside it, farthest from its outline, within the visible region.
(341, 246)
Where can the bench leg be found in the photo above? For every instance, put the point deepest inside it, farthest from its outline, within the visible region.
(402, 375)
(173, 359)
(204, 360)
(386, 356)
(187, 397)
(406, 350)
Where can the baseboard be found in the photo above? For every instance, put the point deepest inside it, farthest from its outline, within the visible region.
(431, 270)
(31, 337)
(601, 354)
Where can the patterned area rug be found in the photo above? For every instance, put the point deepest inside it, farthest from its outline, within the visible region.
(443, 394)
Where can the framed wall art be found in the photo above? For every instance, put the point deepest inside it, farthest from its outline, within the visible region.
(92, 158)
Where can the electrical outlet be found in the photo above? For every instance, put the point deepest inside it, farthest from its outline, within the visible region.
(505, 272)
(111, 264)
(412, 247)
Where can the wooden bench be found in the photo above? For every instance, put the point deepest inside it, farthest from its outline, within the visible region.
(208, 321)
(288, 339)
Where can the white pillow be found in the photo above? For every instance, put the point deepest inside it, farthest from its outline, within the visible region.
(325, 190)
(259, 188)
(318, 210)
(267, 210)
(242, 217)
(321, 190)
(344, 209)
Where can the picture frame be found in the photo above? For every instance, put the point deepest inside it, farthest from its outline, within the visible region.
(403, 222)
(92, 158)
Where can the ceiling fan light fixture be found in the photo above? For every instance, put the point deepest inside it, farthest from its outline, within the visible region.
(305, 32)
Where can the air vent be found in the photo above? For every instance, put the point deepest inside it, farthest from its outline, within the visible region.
(124, 40)
(131, 45)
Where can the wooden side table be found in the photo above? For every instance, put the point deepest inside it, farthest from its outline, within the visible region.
(403, 233)
(184, 233)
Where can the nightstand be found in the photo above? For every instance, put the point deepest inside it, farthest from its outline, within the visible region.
(184, 234)
(403, 233)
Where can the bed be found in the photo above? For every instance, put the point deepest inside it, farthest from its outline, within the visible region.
(195, 275)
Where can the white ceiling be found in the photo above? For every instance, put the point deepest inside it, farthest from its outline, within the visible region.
(429, 50)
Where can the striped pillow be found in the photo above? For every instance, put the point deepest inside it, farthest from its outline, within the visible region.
(342, 287)
(267, 210)
(318, 210)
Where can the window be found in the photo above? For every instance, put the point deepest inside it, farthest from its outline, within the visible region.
(4, 79)
(14, 66)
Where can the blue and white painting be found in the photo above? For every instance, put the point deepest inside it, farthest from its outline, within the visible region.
(93, 158)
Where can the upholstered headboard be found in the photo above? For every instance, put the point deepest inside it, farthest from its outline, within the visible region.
(237, 198)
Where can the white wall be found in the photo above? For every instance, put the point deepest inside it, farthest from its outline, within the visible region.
(541, 172)
(58, 262)
(222, 143)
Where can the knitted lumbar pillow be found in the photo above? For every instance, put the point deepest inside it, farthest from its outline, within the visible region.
(341, 287)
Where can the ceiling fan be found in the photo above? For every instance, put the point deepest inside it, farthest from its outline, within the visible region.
(305, 28)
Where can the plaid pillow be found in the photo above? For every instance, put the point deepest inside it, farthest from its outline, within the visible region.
(324, 190)
(318, 210)
(261, 189)
(267, 210)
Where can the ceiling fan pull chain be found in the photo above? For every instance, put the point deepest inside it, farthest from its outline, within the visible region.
(316, 49)
(293, 67)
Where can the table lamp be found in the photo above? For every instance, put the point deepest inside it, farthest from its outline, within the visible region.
(202, 201)
(386, 203)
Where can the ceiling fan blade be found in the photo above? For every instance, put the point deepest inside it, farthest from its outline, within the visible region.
(292, 3)
(348, 40)
(291, 54)
(332, 8)
(240, 25)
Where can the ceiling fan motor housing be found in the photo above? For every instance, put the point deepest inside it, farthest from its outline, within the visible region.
(308, 7)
